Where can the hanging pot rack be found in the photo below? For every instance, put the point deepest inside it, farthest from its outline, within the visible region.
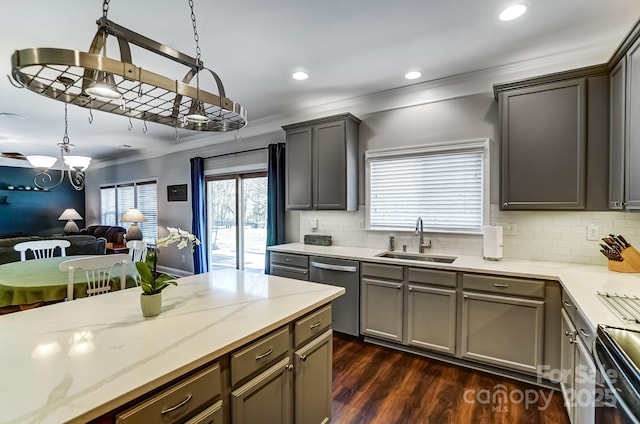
(145, 95)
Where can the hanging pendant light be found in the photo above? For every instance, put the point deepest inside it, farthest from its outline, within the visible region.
(97, 80)
(75, 165)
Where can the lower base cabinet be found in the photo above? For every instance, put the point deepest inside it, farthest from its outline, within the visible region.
(503, 331)
(426, 306)
(265, 398)
(313, 380)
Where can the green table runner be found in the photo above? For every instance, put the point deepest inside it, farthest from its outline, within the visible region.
(40, 280)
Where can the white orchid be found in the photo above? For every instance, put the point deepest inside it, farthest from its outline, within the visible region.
(182, 237)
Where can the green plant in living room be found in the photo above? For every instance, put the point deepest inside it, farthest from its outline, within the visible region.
(150, 281)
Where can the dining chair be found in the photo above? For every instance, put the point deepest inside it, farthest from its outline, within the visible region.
(41, 248)
(137, 250)
(97, 272)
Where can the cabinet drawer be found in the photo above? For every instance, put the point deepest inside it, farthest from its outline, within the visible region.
(177, 402)
(387, 272)
(569, 306)
(502, 285)
(290, 259)
(211, 415)
(259, 355)
(290, 272)
(312, 325)
(432, 277)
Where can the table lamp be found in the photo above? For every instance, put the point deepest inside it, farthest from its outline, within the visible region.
(134, 216)
(69, 215)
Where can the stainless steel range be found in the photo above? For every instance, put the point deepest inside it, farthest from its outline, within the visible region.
(625, 307)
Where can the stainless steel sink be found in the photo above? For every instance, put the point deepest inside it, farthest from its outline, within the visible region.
(418, 257)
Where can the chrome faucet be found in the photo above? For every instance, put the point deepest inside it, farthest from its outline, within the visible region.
(420, 234)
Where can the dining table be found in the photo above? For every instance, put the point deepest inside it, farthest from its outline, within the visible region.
(40, 281)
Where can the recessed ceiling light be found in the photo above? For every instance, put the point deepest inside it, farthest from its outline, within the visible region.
(512, 12)
(413, 75)
(300, 75)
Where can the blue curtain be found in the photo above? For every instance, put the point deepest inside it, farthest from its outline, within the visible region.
(199, 214)
(275, 199)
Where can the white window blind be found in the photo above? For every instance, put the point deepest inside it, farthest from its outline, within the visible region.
(118, 199)
(444, 188)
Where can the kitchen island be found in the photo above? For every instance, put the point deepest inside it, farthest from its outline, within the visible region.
(76, 361)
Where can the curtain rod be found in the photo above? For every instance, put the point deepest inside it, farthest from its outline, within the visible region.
(235, 153)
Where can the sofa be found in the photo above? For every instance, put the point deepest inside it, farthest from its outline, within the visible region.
(80, 245)
(112, 233)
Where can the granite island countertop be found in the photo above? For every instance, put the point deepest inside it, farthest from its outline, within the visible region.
(74, 361)
(582, 282)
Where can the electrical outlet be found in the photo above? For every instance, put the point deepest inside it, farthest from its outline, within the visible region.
(593, 232)
(509, 229)
(183, 258)
(314, 223)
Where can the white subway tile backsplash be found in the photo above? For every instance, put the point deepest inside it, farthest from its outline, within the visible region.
(546, 236)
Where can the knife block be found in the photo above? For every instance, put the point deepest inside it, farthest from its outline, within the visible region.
(631, 261)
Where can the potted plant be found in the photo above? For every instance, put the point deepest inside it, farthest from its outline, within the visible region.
(153, 283)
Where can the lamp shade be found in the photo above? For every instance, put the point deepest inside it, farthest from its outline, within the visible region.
(69, 214)
(133, 215)
(44, 162)
(77, 162)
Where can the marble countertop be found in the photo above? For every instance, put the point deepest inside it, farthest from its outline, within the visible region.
(582, 282)
(74, 361)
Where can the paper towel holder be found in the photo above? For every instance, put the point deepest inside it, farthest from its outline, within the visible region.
(492, 243)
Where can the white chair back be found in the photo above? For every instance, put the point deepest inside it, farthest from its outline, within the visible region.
(97, 272)
(137, 250)
(41, 248)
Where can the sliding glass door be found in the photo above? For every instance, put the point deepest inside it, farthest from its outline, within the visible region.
(237, 217)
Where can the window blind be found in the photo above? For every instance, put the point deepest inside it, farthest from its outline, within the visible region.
(147, 203)
(118, 199)
(108, 206)
(445, 189)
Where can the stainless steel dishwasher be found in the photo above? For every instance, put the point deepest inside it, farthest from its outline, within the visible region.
(341, 273)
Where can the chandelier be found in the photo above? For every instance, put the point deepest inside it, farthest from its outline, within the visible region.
(122, 88)
(76, 165)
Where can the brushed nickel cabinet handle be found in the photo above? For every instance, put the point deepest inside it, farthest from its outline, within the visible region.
(289, 367)
(505, 205)
(264, 355)
(287, 259)
(303, 358)
(583, 333)
(316, 325)
(501, 286)
(180, 405)
(567, 304)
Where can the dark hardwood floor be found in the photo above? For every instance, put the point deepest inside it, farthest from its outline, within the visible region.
(373, 384)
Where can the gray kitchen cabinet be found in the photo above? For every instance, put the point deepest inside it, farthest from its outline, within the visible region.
(585, 386)
(567, 363)
(503, 330)
(431, 310)
(313, 381)
(289, 265)
(617, 135)
(322, 163)
(381, 301)
(632, 171)
(266, 398)
(543, 136)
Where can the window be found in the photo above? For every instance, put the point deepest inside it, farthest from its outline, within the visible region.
(237, 217)
(443, 184)
(117, 199)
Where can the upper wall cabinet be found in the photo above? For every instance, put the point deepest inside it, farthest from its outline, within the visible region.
(554, 133)
(625, 131)
(322, 163)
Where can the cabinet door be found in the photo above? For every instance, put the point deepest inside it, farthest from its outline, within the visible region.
(299, 167)
(567, 363)
(381, 309)
(503, 331)
(264, 399)
(543, 135)
(632, 188)
(584, 386)
(431, 318)
(617, 132)
(312, 380)
(329, 166)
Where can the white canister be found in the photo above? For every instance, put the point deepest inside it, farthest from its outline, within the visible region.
(492, 238)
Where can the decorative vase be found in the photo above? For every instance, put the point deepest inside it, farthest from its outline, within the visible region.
(151, 304)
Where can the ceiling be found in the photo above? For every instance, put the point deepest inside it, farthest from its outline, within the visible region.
(350, 48)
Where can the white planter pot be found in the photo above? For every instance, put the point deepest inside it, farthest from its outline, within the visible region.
(151, 304)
